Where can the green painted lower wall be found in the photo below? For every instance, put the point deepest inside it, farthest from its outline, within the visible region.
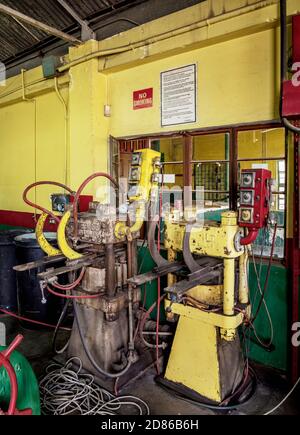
(9, 227)
(145, 264)
(277, 302)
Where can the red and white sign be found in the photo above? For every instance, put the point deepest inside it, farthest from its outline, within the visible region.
(143, 99)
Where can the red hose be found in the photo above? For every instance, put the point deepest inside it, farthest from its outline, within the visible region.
(93, 296)
(80, 189)
(250, 238)
(72, 285)
(38, 207)
(4, 360)
(13, 384)
(26, 319)
(147, 314)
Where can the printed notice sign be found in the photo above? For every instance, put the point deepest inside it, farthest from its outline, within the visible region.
(178, 96)
(143, 99)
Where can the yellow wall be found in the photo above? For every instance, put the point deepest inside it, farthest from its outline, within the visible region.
(32, 147)
(235, 84)
(237, 55)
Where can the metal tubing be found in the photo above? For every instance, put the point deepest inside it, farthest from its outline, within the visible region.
(130, 311)
(243, 287)
(229, 279)
(110, 265)
(188, 170)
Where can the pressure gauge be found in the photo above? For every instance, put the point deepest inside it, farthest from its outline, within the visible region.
(248, 179)
(247, 197)
(136, 158)
(246, 215)
(135, 174)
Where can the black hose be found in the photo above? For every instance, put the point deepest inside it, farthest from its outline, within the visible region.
(60, 320)
(283, 65)
(267, 277)
(211, 406)
(90, 356)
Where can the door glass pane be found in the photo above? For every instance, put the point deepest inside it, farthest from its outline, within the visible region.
(211, 147)
(260, 144)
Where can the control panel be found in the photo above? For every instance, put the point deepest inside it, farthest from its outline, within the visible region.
(143, 174)
(255, 197)
(60, 202)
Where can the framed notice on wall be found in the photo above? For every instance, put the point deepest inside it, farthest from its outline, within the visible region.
(179, 96)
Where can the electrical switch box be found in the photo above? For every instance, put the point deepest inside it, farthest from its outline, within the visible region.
(255, 198)
(142, 174)
(60, 201)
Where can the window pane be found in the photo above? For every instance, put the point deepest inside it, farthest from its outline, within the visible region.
(171, 149)
(263, 243)
(211, 147)
(260, 144)
(177, 170)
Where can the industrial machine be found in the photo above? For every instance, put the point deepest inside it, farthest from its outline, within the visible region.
(206, 270)
(208, 292)
(99, 246)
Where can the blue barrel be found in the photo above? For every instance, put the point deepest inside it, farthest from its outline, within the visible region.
(8, 259)
(30, 303)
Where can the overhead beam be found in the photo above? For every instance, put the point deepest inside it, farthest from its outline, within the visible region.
(86, 32)
(38, 24)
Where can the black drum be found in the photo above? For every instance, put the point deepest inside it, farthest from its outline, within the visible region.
(30, 300)
(8, 259)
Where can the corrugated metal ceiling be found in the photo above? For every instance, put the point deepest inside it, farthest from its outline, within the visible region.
(17, 37)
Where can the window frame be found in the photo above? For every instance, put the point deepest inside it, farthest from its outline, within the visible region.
(233, 131)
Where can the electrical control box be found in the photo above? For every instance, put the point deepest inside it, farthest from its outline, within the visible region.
(255, 197)
(143, 174)
(60, 201)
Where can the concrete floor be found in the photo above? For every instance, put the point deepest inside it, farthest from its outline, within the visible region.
(272, 385)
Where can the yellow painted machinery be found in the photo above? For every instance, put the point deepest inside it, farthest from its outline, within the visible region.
(99, 249)
(206, 270)
(206, 356)
(207, 293)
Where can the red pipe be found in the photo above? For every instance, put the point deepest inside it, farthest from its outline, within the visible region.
(71, 285)
(4, 360)
(92, 296)
(26, 319)
(80, 189)
(250, 238)
(38, 207)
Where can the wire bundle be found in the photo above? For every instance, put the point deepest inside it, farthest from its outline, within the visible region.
(66, 391)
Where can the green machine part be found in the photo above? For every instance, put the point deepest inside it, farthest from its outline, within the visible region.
(28, 388)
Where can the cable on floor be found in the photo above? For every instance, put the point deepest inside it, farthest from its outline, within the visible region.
(67, 391)
(283, 400)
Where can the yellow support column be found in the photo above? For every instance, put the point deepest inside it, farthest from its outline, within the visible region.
(228, 302)
(243, 285)
(89, 128)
